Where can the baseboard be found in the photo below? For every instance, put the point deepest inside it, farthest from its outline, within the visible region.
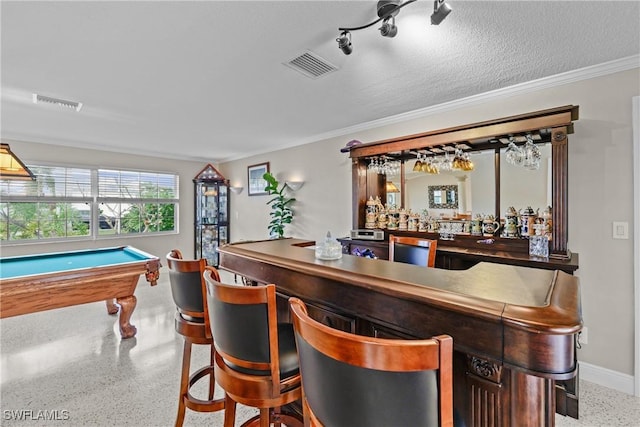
(607, 378)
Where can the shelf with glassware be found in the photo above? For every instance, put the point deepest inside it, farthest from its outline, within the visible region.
(211, 213)
(497, 188)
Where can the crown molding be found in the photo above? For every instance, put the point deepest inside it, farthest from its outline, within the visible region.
(568, 77)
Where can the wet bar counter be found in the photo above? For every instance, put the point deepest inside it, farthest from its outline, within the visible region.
(464, 252)
(513, 327)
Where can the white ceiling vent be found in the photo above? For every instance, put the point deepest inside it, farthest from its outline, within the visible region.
(37, 99)
(311, 65)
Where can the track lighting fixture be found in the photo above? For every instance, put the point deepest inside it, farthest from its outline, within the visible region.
(440, 11)
(389, 29)
(344, 42)
(387, 10)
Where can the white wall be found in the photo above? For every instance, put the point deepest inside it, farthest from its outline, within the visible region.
(600, 191)
(323, 203)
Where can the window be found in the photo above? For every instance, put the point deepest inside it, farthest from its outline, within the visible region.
(137, 202)
(79, 203)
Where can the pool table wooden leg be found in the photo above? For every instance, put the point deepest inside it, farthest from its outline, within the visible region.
(112, 307)
(127, 304)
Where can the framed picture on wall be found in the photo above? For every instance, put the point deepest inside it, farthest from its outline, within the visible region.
(256, 183)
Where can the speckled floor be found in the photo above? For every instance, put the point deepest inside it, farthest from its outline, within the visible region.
(71, 364)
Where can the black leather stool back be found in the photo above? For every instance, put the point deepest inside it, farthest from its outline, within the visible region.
(256, 359)
(351, 381)
(186, 289)
(344, 395)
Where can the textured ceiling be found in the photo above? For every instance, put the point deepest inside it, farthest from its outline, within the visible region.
(205, 79)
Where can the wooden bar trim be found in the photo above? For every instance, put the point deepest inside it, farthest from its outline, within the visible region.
(561, 116)
(559, 193)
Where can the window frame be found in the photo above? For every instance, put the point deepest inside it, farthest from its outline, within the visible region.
(94, 202)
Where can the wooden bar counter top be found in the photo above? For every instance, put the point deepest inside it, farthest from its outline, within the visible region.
(513, 327)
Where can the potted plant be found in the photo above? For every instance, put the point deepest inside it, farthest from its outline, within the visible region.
(281, 213)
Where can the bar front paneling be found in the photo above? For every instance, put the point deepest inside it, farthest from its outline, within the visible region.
(513, 327)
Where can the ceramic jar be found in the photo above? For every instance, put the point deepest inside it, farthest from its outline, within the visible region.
(371, 214)
(403, 219)
(433, 226)
(527, 221)
(511, 223)
(392, 219)
(489, 225)
(414, 220)
(476, 225)
(382, 220)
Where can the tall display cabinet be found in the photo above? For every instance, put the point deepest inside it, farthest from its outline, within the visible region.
(211, 213)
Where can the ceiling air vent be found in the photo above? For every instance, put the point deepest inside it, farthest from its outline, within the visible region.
(311, 65)
(37, 99)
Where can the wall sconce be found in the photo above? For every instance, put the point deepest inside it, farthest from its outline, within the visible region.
(294, 185)
(11, 167)
(387, 10)
(236, 190)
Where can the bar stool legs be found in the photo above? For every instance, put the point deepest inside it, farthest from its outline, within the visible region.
(187, 400)
(229, 411)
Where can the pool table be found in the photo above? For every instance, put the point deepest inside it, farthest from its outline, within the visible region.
(33, 283)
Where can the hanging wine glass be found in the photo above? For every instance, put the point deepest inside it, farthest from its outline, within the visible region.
(514, 154)
(458, 161)
(446, 162)
(467, 164)
(417, 166)
(531, 154)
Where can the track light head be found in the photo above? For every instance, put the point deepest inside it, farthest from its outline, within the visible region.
(440, 11)
(387, 10)
(389, 29)
(344, 43)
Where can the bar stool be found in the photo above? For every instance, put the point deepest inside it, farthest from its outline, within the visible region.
(351, 381)
(192, 322)
(256, 362)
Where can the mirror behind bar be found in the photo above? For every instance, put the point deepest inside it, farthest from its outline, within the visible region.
(547, 126)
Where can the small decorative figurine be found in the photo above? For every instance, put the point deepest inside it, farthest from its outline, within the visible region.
(511, 223)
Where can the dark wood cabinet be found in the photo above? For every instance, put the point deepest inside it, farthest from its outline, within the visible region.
(329, 317)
